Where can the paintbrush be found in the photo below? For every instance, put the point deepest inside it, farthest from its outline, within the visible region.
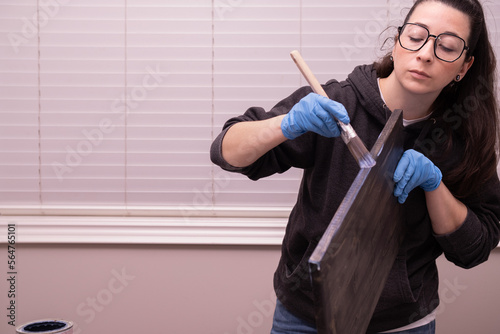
(349, 136)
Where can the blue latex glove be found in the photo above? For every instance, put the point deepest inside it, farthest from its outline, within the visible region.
(415, 169)
(314, 113)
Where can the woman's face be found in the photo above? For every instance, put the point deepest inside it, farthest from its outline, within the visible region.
(421, 72)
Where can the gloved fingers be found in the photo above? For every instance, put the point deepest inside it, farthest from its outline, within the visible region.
(334, 108)
(324, 123)
(402, 198)
(413, 179)
(415, 170)
(407, 181)
(329, 131)
(403, 164)
(314, 113)
(404, 176)
(402, 189)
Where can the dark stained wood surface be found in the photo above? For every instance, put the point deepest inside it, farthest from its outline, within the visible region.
(351, 263)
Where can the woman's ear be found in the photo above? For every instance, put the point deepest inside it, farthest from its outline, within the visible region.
(465, 67)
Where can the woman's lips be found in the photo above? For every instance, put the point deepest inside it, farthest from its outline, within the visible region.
(419, 74)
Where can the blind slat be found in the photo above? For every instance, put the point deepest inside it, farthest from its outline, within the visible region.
(113, 105)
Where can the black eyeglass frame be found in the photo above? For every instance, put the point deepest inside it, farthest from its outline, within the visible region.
(400, 29)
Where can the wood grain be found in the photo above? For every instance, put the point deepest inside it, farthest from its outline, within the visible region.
(350, 265)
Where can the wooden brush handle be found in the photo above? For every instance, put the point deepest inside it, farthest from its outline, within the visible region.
(347, 132)
(307, 73)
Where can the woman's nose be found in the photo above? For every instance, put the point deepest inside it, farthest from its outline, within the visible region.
(426, 53)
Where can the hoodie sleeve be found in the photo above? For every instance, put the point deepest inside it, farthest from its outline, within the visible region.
(292, 153)
(472, 243)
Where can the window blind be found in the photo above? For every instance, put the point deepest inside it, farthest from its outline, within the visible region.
(114, 104)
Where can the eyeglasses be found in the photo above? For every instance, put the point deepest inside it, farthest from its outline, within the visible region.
(447, 47)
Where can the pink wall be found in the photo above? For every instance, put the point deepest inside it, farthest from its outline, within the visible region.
(147, 289)
(198, 289)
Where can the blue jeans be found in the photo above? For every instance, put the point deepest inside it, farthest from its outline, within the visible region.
(285, 322)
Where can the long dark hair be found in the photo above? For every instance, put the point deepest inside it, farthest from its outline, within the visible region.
(472, 102)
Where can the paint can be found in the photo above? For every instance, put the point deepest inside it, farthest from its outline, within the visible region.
(46, 326)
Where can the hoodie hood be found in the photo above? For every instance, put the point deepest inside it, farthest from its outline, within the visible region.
(363, 80)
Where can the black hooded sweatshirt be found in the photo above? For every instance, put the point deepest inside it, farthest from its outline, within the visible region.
(411, 291)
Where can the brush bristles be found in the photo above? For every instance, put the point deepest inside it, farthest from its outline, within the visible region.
(360, 153)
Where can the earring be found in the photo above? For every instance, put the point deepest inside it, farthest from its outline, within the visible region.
(391, 58)
(457, 79)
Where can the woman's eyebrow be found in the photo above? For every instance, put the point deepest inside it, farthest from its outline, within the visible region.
(446, 32)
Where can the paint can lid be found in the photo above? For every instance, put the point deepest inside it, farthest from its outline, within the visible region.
(46, 326)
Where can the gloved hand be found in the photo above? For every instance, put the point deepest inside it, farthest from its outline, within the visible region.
(415, 169)
(314, 113)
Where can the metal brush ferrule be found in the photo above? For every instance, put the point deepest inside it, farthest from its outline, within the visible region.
(346, 132)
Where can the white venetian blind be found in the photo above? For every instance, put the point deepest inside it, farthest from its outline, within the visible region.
(114, 103)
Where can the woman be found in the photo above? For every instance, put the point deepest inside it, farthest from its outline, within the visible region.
(441, 73)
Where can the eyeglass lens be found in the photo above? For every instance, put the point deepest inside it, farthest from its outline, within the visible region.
(447, 47)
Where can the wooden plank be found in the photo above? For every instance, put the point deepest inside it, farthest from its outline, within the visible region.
(351, 263)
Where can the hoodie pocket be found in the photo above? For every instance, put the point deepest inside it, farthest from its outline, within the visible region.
(298, 276)
(397, 289)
